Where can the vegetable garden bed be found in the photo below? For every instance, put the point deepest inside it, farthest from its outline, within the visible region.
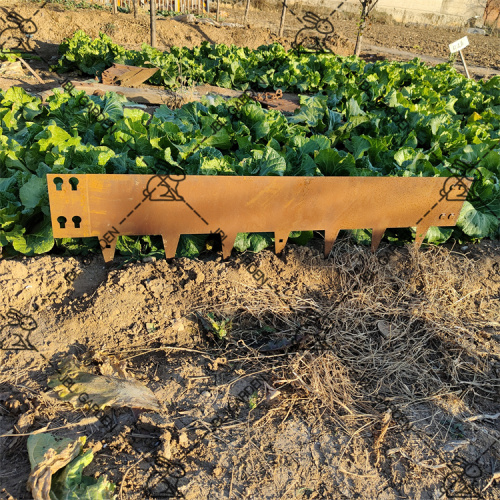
(364, 119)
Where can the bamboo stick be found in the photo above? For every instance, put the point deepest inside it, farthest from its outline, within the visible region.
(31, 70)
(247, 8)
(465, 65)
(152, 16)
(282, 21)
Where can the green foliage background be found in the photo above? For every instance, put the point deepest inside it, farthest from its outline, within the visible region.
(361, 119)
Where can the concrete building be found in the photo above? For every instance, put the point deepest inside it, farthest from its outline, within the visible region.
(436, 12)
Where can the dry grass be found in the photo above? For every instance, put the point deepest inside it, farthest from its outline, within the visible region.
(357, 339)
(408, 332)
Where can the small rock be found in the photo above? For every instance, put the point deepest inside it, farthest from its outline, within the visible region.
(149, 259)
(11, 68)
(166, 448)
(13, 405)
(476, 31)
(215, 365)
(150, 421)
(183, 440)
(186, 18)
(97, 447)
(178, 325)
(205, 394)
(219, 472)
(465, 248)
(451, 446)
(387, 329)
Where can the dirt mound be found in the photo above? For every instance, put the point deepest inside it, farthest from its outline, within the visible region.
(343, 378)
(54, 23)
(334, 43)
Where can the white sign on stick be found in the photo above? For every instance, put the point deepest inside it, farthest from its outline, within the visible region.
(459, 44)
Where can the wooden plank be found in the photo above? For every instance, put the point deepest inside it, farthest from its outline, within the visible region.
(465, 65)
(127, 75)
(247, 8)
(289, 102)
(282, 21)
(143, 96)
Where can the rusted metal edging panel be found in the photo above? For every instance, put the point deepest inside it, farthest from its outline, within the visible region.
(127, 75)
(109, 205)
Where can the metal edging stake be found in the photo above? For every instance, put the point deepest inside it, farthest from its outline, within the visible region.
(463, 62)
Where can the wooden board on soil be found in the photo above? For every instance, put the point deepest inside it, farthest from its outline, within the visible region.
(288, 103)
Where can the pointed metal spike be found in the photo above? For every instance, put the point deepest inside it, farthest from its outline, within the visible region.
(330, 238)
(377, 235)
(109, 253)
(228, 244)
(280, 239)
(170, 243)
(420, 236)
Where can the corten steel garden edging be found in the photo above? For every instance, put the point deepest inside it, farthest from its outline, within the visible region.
(109, 205)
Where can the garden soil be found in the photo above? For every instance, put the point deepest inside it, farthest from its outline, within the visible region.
(356, 376)
(54, 22)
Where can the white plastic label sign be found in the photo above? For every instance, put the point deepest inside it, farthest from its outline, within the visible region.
(459, 44)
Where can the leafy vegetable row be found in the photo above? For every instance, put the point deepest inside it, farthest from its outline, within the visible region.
(384, 118)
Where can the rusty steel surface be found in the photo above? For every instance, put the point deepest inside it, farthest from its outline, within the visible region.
(264, 98)
(126, 75)
(283, 102)
(109, 205)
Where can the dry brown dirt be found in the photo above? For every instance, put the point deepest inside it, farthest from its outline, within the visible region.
(54, 23)
(399, 401)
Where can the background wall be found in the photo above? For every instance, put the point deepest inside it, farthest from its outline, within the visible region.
(451, 12)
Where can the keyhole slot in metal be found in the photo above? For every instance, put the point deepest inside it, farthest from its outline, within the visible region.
(76, 221)
(62, 222)
(58, 182)
(74, 183)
